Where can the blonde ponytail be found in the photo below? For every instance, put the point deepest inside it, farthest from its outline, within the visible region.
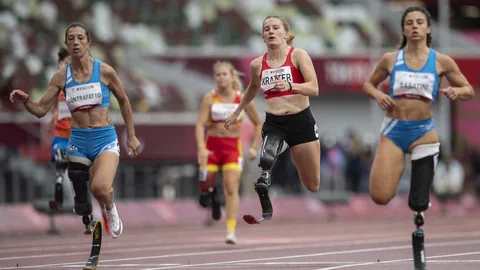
(237, 82)
(290, 39)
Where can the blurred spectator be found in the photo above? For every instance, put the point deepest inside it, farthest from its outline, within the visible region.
(31, 31)
(449, 179)
(355, 168)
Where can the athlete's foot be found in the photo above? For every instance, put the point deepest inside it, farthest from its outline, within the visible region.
(105, 221)
(216, 211)
(204, 199)
(114, 222)
(231, 239)
(87, 222)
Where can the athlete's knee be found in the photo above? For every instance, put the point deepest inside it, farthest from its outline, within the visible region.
(313, 185)
(101, 191)
(231, 190)
(79, 176)
(382, 198)
(424, 160)
(272, 146)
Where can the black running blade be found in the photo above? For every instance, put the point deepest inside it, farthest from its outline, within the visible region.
(419, 259)
(92, 262)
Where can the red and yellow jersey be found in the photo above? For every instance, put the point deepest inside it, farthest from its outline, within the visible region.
(63, 117)
(219, 110)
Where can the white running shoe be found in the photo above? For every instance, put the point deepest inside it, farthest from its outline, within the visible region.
(114, 222)
(231, 239)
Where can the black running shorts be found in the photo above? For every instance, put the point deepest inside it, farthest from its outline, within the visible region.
(293, 128)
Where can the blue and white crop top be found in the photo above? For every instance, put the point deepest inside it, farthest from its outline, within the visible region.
(408, 83)
(87, 95)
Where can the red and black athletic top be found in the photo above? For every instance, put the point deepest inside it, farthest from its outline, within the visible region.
(286, 72)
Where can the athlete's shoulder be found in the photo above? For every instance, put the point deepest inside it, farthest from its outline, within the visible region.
(58, 77)
(208, 97)
(388, 59)
(257, 62)
(256, 65)
(443, 58)
(390, 55)
(106, 68)
(299, 52)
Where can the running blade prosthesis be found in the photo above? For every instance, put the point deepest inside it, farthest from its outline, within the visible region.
(418, 243)
(267, 209)
(92, 261)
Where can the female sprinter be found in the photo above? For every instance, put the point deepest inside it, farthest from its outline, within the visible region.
(415, 71)
(222, 149)
(287, 78)
(87, 83)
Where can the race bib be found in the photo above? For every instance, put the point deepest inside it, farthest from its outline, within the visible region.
(221, 111)
(414, 83)
(63, 110)
(83, 96)
(269, 76)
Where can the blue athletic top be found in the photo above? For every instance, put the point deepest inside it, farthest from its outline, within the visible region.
(87, 95)
(409, 83)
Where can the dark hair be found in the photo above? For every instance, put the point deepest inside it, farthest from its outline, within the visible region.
(429, 23)
(62, 54)
(77, 24)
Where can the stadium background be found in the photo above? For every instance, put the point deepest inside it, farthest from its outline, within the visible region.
(164, 50)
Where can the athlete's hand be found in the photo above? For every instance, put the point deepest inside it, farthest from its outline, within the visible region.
(133, 146)
(280, 85)
(450, 92)
(384, 101)
(231, 119)
(252, 153)
(18, 96)
(203, 157)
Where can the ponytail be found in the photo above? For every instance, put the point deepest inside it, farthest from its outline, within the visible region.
(237, 84)
(290, 39)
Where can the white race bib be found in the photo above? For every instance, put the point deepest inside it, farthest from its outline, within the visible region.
(63, 110)
(221, 111)
(414, 83)
(268, 77)
(84, 96)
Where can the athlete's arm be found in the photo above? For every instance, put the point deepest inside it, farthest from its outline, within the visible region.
(250, 93)
(202, 121)
(257, 122)
(379, 74)
(116, 87)
(202, 151)
(460, 87)
(253, 86)
(51, 122)
(305, 65)
(41, 108)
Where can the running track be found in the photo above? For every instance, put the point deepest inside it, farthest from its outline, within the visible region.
(452, 243)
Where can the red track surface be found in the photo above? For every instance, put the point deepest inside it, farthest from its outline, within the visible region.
(451, 243)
